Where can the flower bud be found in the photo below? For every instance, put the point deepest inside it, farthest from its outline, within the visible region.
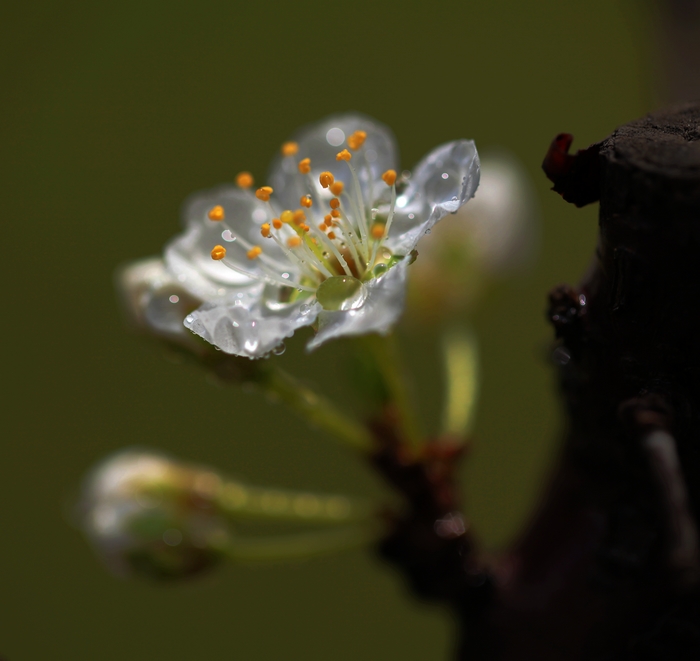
(147, 514)
(492, 237)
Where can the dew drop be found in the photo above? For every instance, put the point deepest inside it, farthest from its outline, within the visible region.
(386, 254)
(379, 269)
(189, 319)
(444, 175)
(260, 215)
(428, 231)
(326, 255)
(335, 137)
(235, 324)
(227, 236)
(411, 215)
(305, 309)
(174, 298)
(279, 349)
(285, 276)
(454, 199)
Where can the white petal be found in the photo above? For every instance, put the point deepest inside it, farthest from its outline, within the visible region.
(380, 311)
(253, 332)
(321, 142)
(188, 256)
(153, 299)
(441, 183)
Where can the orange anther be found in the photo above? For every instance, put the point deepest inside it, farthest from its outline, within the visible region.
(322, 227)
(357, 139)
(306, 201)
(276, 223)
(326, 179)
(216, 213)
(304, 227)
(294, 241)
(389, 177)
(290, 148)
(305, 166)
(265, 230)
(344, 155)
(263, 193)
(337, 188)
(218, 252)
(331, 235)
(254, 252)
(335, 213)
(244, 179)
(298, 217)
(335, 203)
(286, 216)
(377, 231)
(328, 218)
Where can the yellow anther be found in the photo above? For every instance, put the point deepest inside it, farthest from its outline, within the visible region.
(290, 148)
(254, 252)
(331, 235)
(294, 241)
(218, 252)
(276, 223)
(335, 213)
(357, 139)
(344, 155)
(326, 179)
(389, 177)
(244, 179)
(298, 217)
(287, 216)
(263, 193)
(216, 213)
(337, 188)
(306, 201)
(265, 230)
(377, 231)
(335, 203)
(305, 166)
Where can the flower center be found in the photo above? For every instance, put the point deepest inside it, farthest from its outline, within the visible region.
(332, 243)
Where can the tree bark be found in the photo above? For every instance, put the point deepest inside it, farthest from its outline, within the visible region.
(609, 568)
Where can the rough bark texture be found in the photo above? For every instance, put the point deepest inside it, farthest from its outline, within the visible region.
(609, 568)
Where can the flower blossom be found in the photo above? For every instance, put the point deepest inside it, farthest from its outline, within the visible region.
(327, 241)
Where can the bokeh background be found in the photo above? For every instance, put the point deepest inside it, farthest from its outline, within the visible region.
(112, 113)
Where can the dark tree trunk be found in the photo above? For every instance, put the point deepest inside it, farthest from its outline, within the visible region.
(609, 567)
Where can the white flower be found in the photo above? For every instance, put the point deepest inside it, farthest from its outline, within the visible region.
(329, 241)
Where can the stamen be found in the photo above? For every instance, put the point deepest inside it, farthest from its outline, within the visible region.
(270, 277)
(322, 227)
(356, 140)
(389, 177)
(326, 179)
(294, 241)
(216, 213)
(331, 235)
(298, 217)
(264, 193)
(287, 216)
(335, 213)
(306, 201)
(276, 223)
(290, 148)
(335, 203)
(337, 188)
(344, 155)
(265, 230)
(244, 179)
(254, 252)
(377, 231)
(328, 219)
(305, 166)
(218, 252)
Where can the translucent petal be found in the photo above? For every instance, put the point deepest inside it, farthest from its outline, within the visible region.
(321, 142)
(253, 332)
(441, 183)
(188, 256)
(153, 299)
(382, 308)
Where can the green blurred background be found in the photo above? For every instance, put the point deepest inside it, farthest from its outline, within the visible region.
(112, 114)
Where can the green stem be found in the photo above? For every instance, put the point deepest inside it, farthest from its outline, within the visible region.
(316, 409)
(385, 352)
(301, 546)
(461, 360)
(239, 501)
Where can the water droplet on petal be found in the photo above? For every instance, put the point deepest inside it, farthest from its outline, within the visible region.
(379, 269)
(454, 198)
(285, 276)
(189, 319)
(174, 298)
(386, 254)
(428, 231)
(335, 137)
(305, 309)
(227, 236)
(279, 349)
(341, 293)
(444, 175)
